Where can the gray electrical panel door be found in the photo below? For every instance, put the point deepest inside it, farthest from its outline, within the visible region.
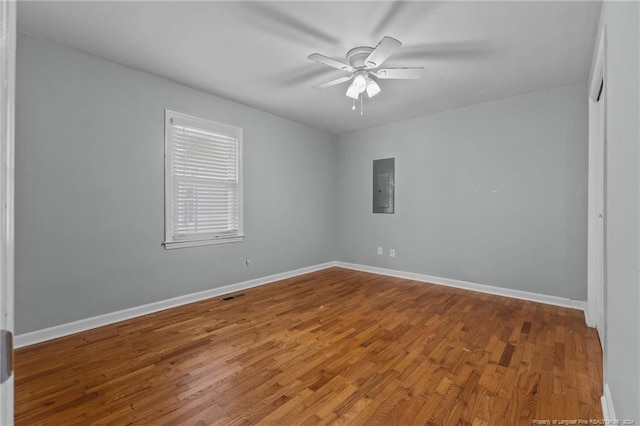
(383, 185)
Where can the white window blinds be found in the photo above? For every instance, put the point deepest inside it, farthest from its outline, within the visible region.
(202, 181)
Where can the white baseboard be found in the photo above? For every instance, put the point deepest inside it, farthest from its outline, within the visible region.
(61, 330)
(589, 318)
(608, 413)
(466, 285)
(54, 332)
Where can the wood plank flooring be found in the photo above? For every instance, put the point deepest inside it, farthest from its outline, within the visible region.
(331, 347)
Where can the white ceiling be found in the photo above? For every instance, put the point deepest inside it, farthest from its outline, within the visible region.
(256, 52)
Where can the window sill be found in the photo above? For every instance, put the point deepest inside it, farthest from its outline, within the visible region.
(170, 245)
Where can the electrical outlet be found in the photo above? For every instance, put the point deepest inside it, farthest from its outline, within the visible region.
(379, 251)
(392, 253)
(247, 262)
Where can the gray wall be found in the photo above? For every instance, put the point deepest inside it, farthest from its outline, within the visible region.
(622, 369)
(89, 190)
(493, 194)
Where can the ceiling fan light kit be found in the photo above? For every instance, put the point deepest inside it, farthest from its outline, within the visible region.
(353, 92)
(363, 63)
(372, 88)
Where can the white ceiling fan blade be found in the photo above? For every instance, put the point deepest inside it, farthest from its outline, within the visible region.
(381, 53)
(325, 60)
(410, 73)
(333, 82)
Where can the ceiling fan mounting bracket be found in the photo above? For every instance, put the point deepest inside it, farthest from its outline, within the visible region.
(356, 57)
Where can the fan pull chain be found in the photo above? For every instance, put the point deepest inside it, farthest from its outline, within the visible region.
(361, 98)
(354, 105)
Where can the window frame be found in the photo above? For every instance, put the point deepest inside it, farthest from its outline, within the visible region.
(170, 240)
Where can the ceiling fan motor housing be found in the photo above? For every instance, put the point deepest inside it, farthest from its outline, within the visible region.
(356, 57)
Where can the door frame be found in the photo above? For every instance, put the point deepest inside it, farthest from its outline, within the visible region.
(7, 158)
(597, 246)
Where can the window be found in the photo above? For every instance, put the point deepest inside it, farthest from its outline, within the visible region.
(203, 182)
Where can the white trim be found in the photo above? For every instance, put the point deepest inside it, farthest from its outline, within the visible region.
(57, 331)
(597, 70)
(608, 413)
(170, 245)
(592, 298)
(596, 213)
(466, 285)
(225, 131)
(595, 242)
(7, 190)
(54, 332)
(587, 317)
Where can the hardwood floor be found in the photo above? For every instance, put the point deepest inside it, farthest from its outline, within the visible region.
(335, 346)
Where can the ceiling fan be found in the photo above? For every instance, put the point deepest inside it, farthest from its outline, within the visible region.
(364, 65)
